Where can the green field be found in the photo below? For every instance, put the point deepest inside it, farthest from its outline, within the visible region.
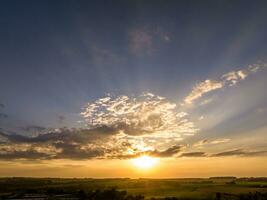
(157, 188)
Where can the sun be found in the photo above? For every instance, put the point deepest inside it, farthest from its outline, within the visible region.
(145, 162)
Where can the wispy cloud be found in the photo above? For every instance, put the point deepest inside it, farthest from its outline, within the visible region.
(105, 56)
(201, 143)
(235, 152)
(226, 80)
(145, 41)
(140, 42)
(240, 152)
(193, 154)
(202, 88)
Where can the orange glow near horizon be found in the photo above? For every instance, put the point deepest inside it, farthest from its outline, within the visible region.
(145, 162)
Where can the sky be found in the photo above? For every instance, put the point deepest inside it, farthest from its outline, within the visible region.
(88, 87)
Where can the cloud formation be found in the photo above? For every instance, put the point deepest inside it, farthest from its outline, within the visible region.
(79, 144)
(116, 127)
(123, 127)
(140, 115)
(226, 80)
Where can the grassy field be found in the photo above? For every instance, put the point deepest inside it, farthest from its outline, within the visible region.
(181, 188)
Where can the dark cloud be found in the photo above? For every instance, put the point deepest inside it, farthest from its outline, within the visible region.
(169, 152)
(3, 116)
(193, 154)
(74, 151)
(2, 105)
(58, 144)
(61, 118)
(79, 144)
(33, 128)
(66, 135)
(29, 154)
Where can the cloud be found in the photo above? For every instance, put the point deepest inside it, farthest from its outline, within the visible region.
(58, 144)
(240, 152)
(206, 101)
(144, 41)
(168, 152)
(140, 42)
(3, 116)
(104, 56)
(116, 127)
(53, 146)
(139, 115)
(202, 88)
(98, 143)
(64, 135)
(226, 80)
(33, 128)
(201, 143)
(193, 154)
(220, 141)
(236, 152)
(61, 118)
(212, 142)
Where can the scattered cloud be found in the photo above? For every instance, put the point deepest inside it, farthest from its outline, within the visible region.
(78, 144)
(226, 80)
(116, 127)
(140, 115)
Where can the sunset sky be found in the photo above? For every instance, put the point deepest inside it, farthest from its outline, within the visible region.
(133, 88)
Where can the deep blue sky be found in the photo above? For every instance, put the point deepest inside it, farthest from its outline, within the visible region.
(55, 56)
